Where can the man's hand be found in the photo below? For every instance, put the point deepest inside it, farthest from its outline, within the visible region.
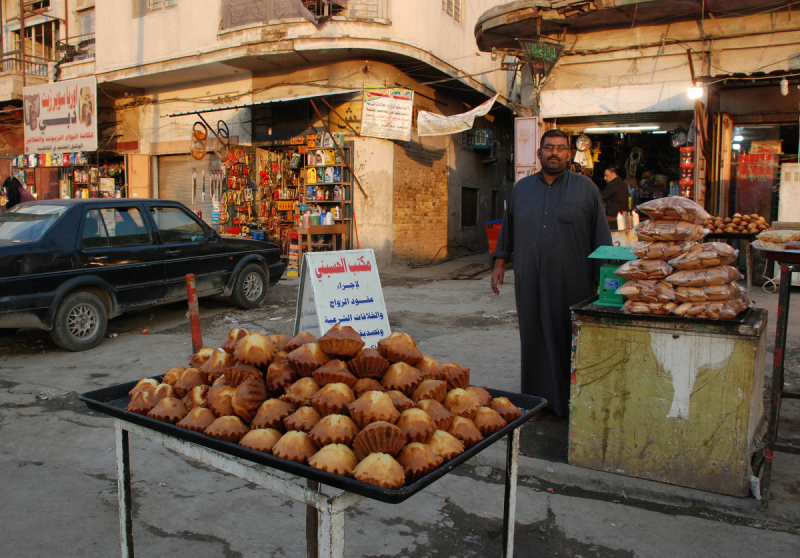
(498, 274)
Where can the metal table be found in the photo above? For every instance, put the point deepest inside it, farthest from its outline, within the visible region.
(325, 514)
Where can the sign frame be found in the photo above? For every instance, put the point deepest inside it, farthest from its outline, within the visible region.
(60, 117)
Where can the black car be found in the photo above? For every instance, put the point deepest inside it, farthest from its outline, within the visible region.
(66, 266)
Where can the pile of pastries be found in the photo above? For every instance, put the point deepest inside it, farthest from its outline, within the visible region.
(386, 417)
(739, 223)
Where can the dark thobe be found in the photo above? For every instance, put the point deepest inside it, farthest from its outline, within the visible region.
(615, 197)
(551, 230)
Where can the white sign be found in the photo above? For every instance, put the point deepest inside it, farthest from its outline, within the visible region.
(341, 287)
(60, 117)
(430, 124)
(387, 113)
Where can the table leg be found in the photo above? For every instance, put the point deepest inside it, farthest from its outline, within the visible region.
(124, 492)
(324, 529)
(510, 499)
(749, 263)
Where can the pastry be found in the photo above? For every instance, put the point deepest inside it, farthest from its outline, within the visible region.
(505, 408)
(190, 379)
(483, 396)
(446, 445)
(430, 369)
(466, 431)
(401, 376)
(417, 425)
(400, 401)
(261, 439)
(295, 446)
(247, 398)
(254, 349)
(145, 384)
(198, 419)
(341, 341)
(215, 366)
(298, 340)
(303, 419)
(169, 410)
(280, 357)
(332, 399)
(364, 385)
(307, 358)
(400, 347)
(280, 376)
(301, 391)
(279, 341)
(200, 357)
(141, 403)
(460, 402)
(271, 414)
(240, 371)
(173, 375)
(229, 345)
(488, 421)
(164, 390)
(418, 460)
(371, 407)
(219, 398)
(229, 428)
(457, 377)
(368, 363)
(380, 437)
(380, 469)
(440, 416)
(334, 371)
(335, 458)
(430, 389)
(334, 429)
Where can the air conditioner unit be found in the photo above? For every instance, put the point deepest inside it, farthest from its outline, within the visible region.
(482, 139)
(491, 155)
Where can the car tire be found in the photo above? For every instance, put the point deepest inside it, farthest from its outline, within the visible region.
(250, 288)
(8, 331)
(80, 322)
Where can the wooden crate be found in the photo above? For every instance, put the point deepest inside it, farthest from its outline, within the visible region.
(671, 401)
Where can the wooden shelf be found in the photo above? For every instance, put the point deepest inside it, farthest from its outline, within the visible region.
(322, 166)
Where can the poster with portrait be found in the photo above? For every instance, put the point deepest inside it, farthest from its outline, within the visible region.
(60, 117)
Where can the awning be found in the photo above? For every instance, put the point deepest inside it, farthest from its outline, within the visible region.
(257, 103)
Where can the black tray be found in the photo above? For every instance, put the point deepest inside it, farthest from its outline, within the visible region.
(113, 400)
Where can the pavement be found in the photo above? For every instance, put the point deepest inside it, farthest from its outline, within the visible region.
(57, 458)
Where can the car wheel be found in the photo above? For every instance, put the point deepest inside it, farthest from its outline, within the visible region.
(250, 288)
(80, 323)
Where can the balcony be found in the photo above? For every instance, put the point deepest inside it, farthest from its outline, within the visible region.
(76, 57)
(18, 70)
(238, 14)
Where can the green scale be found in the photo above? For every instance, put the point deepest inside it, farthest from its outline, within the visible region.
(610, 281)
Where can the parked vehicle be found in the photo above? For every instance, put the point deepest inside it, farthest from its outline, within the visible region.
(67, 266)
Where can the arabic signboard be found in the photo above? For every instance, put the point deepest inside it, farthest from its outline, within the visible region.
(542, 56)
(430, 124)
(341, 287)
(61, 117)
(387, 114)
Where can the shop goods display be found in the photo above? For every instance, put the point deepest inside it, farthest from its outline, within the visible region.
(675, 208)
(663, 230)
(648, 291)
(739, 223)
(644, 269)
(305, 406)
(779, 240)
(720, 275)
(710, 254)
(648, 250)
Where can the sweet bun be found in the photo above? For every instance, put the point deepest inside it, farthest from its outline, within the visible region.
(460, 402)
(446, 445)
(401, 376)
(261, 439)
(335, 458)
(247, 398)
(341, 341)
(368, 363)
(371, 407)
(307, 358)
(254, 349)
(483, 396)
(430, 369)
(219, 399)
(380, 437)
(332, 399)
(198, 419)
(418, 460)
(380, 469)
(169, 410)
(200, 357)
(142, 402)
(334, 429)
(430, 389)
(145, 384)
(400, 401)
(303, 419)
(301, 392)
(271, 414)
(364, 385)
(190, 379)
(234, 336)
(440, 416)
(334, 372)
(173, 375)
(417, 425)
(299, 340)
(488, 421)
(216, 365)
(400, 347)
(295, 446)
(466, 431)
(240, 371)
(505, 408)
(280, 357)
(164, 390)
(229, 428)
(457, 377)
(279, 341)
(280, 376)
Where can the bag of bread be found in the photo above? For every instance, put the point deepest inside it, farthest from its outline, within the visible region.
(675, 208)
(644, 269)
(779, 237)
(720, 275)
(647, 291)
(652, 308)
(771, 245)
(662, 250)
(710, 254)
(709, 293)
(720, 310)
(668, 230)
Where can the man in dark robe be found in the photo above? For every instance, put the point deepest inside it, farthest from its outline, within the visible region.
(554, 219)
(615, 196)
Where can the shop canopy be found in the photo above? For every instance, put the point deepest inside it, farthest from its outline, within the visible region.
(266, 102)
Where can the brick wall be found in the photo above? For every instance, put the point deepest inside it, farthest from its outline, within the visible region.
(420, 202)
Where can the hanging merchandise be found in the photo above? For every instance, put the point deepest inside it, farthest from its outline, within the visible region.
(583, 143)
(679, 138)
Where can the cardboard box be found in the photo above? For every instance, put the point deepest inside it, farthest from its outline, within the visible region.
(767, 146)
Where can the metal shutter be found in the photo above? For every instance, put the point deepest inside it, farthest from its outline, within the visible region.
(175, 180)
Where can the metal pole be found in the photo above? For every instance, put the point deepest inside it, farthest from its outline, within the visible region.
(124, 492)
(510, 497)
(194, 313)
(22, 38)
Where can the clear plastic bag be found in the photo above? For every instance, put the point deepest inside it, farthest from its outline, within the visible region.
(771, 245)
(675, 209)
(720, 310)
(669, 231)
(710, 293)
(644, 269)
(720, 275)
(710, 254)
(647, 291)
(646, 250)
(779, 237)
(652, 308)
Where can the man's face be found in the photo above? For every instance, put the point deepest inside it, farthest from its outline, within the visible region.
(554, 155)
(610, 176)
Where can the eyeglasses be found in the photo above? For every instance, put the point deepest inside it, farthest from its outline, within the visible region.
(559, 148)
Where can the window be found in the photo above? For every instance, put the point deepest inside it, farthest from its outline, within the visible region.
(115, 227)
(469, 207)
(174, 225)
(160, 4)
(452, 8)
(29, 223)
(87, 22)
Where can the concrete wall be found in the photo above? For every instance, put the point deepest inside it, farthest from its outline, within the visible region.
(374, 220)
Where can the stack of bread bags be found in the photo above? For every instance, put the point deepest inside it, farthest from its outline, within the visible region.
(778, 240)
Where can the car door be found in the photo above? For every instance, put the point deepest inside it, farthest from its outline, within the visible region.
(118, 245)
(187, 248)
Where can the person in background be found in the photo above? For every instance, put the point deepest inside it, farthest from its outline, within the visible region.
(15, 193)
(615, 196)
(554, 219)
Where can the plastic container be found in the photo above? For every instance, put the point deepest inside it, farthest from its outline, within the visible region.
(314, 220)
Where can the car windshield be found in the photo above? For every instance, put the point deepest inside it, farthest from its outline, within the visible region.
(28, 223)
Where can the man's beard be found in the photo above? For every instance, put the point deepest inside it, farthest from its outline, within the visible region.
(554, 165)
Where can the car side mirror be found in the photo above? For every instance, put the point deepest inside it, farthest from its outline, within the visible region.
(211, 234)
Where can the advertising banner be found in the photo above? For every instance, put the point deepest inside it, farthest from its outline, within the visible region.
(430, 124)
(387, 114)
(61, 117)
